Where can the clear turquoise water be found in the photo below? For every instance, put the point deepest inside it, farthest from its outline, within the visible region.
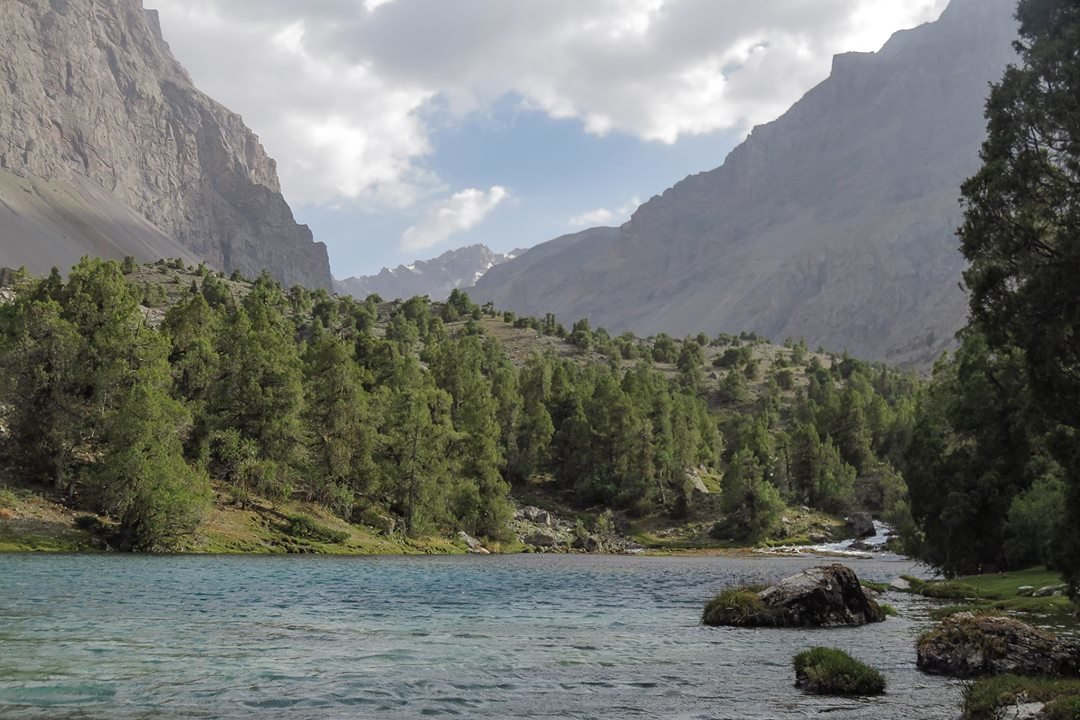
(494, 637)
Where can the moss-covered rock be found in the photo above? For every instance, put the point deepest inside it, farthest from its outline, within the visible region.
(968, 645)
(829, 596)
(827, 671)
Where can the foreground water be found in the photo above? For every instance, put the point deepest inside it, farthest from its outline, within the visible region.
(494, 637)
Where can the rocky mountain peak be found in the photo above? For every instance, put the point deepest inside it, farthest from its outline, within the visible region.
(834, 223)
(94, 93)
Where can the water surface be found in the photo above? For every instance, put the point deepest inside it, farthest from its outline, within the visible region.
(110, 636)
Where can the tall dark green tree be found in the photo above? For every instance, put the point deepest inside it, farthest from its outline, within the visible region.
(1021, 230)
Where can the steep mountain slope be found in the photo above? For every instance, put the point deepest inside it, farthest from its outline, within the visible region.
(434, 278)
(834, 223)
(92, 93)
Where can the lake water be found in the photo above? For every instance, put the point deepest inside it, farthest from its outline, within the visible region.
(110, 636)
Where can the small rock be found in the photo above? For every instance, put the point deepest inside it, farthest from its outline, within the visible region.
(1025, 591)
(1021, 711)
(590, 544)
(862, 524)
(536, 515)
(542, 540)
(475, 546)
(900, 584)
(860, 546)
(1047, 591)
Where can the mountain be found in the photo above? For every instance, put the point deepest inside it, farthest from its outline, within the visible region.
(459, 268)
(107, 148)
(834, 223)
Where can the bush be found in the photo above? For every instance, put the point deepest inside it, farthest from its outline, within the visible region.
(827, 671)
(301, 526)
(8, 499)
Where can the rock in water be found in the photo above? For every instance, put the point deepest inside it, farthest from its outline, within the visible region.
(475, 546)
(828, 596)
(862, 524)
(967, 646)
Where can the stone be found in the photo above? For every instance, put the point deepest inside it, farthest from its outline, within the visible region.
(542, 540)
(1048, 591)
(900, 584)
(862, 524)
(536, 515)
(589, 544)
(827, 596)
(1021, 711)
(860, 546)
(101, 119)
(474, 546)
(1025, 591)
(966, 645)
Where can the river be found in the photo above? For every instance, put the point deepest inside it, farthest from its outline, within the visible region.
(534, 636)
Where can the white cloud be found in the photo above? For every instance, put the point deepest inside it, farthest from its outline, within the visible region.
(459, 212)
(337, 88)
(603, 216)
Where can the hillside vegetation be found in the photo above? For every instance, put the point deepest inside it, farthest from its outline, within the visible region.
(161, 396)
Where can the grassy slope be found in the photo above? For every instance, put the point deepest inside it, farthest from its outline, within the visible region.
(32, 521)
(998, 592)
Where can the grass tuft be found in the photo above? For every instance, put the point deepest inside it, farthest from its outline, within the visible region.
(302, 526)
(739, 607)
(828, 671)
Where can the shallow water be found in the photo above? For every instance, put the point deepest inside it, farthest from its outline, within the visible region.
(473, 637)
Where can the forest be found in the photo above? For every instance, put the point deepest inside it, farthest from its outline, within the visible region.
(129, 397)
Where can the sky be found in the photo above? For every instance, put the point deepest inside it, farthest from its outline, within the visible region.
(406, 128)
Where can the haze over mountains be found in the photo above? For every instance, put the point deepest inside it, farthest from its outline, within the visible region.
(459, 268)
(106, 148)
(834, 223)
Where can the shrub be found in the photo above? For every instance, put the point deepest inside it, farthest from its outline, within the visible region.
(302, 526)
(8, 499)
(827, 671)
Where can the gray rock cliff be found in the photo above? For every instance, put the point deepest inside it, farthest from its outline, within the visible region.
(834, 223)
(89, 91)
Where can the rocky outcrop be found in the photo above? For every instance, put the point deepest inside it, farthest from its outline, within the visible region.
(834, 223)
(108, 129)
(828, 596)
(968, 645)
(436, 278)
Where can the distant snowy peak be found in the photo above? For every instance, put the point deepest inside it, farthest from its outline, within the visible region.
(460, 268)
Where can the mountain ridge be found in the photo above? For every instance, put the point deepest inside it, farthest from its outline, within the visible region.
(94, 92)
(834, 222)
(435, 278)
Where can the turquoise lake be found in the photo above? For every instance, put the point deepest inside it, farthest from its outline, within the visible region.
(535, 636)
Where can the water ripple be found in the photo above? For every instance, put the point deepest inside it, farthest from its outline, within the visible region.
(83, 638)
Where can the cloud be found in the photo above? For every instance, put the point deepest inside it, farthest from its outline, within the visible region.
(338, 89)
(459, 212)
(603, 216)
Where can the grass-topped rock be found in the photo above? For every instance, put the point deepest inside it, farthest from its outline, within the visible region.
(827, 671)
(829, 596)
(968, 645)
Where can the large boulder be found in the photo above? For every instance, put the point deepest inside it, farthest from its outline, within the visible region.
(862, 524)
(827, 596)
(966, 645)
